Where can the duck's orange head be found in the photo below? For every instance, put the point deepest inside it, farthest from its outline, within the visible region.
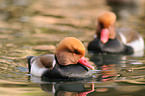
(71, 51)
(106, 28)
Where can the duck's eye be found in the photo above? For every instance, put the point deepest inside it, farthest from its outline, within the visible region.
(76, 52)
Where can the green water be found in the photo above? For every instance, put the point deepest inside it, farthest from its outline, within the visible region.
(34, 27)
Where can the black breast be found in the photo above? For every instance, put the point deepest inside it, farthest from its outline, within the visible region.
(112, 46)
(74, 71)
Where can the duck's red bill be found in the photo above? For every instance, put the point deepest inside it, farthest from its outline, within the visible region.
(84, 62)
(104, 35)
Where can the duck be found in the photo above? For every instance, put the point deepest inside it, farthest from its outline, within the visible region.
(68, 62)
(109, 39)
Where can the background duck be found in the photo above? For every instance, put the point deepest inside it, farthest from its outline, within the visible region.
(109, 39)
(68, 62)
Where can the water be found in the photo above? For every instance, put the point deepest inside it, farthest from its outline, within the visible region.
(29, 27)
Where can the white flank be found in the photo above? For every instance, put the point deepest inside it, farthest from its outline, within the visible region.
(137, 45)
(37, 68)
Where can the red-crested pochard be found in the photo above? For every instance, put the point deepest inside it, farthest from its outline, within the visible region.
(67, 62)
(109, 39)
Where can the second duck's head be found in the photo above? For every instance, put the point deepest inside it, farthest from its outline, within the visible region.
(106, 26)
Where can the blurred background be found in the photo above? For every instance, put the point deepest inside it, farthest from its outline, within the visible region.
(34, 27)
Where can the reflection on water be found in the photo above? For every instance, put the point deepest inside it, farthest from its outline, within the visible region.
(28, 27)
(79, 89)
(85, 89)
(115, 67)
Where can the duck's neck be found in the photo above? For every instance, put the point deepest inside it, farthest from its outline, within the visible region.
(112, 31)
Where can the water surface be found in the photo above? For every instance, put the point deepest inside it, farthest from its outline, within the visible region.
(29, 27)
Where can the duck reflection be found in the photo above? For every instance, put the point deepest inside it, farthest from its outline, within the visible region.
(76, 89)
(108, 65)
(108, 73)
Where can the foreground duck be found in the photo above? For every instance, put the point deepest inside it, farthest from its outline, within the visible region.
(108, 39)
(68, 62)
